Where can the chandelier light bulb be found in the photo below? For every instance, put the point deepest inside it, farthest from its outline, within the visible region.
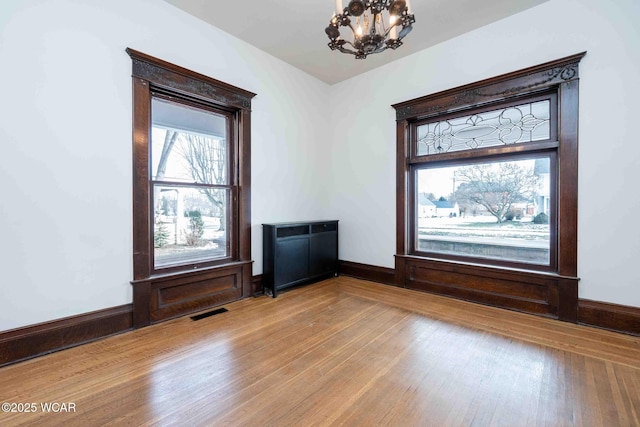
(393, 33)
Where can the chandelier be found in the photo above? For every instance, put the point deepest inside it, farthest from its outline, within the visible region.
(371, 32)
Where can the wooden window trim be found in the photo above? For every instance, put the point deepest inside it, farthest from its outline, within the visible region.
(151, 75)
(560, 77)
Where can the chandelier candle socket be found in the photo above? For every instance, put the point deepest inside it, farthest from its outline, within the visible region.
(371, 29)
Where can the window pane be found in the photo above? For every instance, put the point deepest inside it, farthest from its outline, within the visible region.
(516, 124)
(190, 225)
(494, 210)
(188, 144)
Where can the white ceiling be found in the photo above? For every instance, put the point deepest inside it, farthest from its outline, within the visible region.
(293, 30)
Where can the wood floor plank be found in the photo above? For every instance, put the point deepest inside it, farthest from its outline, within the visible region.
(539, 330)
(311, 360)
(340, 352)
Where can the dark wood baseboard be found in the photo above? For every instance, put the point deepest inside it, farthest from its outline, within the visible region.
(256, 285)
(36, 340)
(614, 317)
(367, 272)
(372, 273)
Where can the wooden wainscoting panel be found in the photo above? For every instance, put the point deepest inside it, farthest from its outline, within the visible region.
(447, 277)
(35, 340)
(177, 295)
(530, 292)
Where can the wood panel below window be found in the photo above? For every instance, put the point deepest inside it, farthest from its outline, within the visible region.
(164, 297)
(544, 294)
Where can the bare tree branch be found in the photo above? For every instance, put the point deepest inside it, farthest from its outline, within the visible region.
(169, 141)
(207, 164)
(496, 186)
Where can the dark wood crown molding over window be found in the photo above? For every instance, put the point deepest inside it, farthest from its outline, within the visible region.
(171, 76)
(529, 80)
(197, 286)
(552, 290)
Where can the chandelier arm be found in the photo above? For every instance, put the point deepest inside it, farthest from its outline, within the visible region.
(349, 43)
(345, 50)
(351, 52)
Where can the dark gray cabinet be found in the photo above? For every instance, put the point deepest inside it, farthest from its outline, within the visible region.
(298, 252)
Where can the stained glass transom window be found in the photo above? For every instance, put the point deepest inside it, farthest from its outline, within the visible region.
(515, 124)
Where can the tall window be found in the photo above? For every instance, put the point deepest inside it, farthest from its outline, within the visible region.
(192, 186)
(191, 191)
(487, 190)
(491, 199)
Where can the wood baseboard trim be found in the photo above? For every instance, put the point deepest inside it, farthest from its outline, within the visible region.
(614, 317)
(25, 343)
(28, 342)
(256, 285)
(367, 272)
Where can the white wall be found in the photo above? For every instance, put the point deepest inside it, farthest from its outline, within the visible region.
(363, 170)
(65, 138)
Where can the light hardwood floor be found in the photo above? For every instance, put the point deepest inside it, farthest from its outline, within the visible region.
(340, 352)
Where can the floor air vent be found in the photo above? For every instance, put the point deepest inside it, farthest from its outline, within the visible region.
(209, 313)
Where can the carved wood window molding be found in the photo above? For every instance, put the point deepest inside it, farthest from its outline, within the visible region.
(514, 121)
(191, 190)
